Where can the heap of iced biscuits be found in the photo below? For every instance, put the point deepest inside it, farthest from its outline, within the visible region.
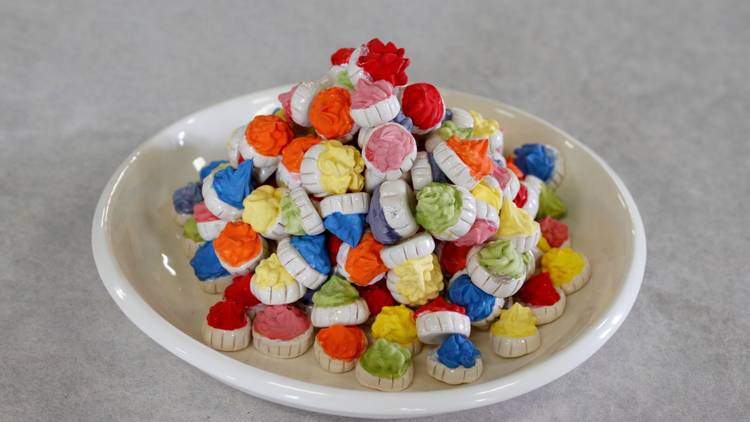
(366, 218)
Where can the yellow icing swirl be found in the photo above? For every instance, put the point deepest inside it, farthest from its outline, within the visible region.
(543, 245)
(270, 273)
(562, 264)
(483, 128)
(489, 194)
(396, 324)
(340, 168)
(515, 221)
(263, 207)
(420, 279)
(516, 322)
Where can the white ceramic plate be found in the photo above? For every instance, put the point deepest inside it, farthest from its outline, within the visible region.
(139, 256)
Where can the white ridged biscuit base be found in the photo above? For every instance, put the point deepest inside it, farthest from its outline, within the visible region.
(392, 280)
(368, 380)
(530, 264)
(233, 145)
(547, 314)
(381, 112)
(341, 257)
(496, 285)
(303, 95)
(346, 203)
(309, 173)
(209, 230)
(513, 186)
(524, 243)
(277, 295)
(286, 178)
(295, 264)
(558, 173)
(406, 163)
(190, 246)
(454, 376)
(417, 246)
(462, 118)
(488, 213)
(226, 340)
(511, 347)
(276, 231)
(218, 207)
(455, 169)
(217, 285)
(465, 220)
(421, 172)
(336, 366)
(283, 349)
(311, 221)
(580, 280)
(533, 189)
(434, 327)
(397, 201)
(249, 265)
(354, 313)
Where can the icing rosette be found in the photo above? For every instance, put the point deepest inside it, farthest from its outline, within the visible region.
(377, 296)
(344, 215)
(456, 361)
(183, 201)
(373, 103)
(518, 227)
(361, 264)
(570, 270)
(224, 189)
(261, 141)
(239, 248)
(446, 211)
(338, 347)
(213, 277)
(396, 324)
(263, 211)
(273, 285)
(554, 233)
(296, 101)
(542, 161)
(418, 246)
(439, 319)
(481, 307)
(239, 292)
(385, 366)
(388, 150)
(488, 198)
(338, 303)
(545, 300)
(330, 114)
(424, 105)
(497, 268)
(464, 162)
(416, 281)
(306, 259)
(550, 205)
(331, 168)
(282, 331)
(390, 213)
(226, 327)
(515, 333)
(299, 216)
(531, 187)
(452, 257)
(382, 62)
(288, 171)
(208, 225)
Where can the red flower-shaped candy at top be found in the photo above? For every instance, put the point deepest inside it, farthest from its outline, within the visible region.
(341, 56)
(239, 291)
(439, 304)
(553, 231)
(227, 315)
(521, 196)
(376, 296)
(384, 62)
(423, 104)
(538, 291)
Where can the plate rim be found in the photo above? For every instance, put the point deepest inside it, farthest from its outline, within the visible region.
(324, 399)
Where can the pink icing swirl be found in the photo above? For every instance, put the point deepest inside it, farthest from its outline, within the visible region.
(388, 145)
(369, 93)
(479, 233)
(285, 98)
(281, 322)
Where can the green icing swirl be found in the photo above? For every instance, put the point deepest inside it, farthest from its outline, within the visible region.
(335, 292)
(449, 129)
(190, 230)
(550, 204)
(342, 78)
(501, 258)
(386, 359)
(291, 217)
(438, 207)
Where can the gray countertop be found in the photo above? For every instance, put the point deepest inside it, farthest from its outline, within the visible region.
(659, 89)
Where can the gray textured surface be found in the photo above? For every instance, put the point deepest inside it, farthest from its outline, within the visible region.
(659, 90)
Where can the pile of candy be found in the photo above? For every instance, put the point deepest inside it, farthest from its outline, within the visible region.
(381, 194)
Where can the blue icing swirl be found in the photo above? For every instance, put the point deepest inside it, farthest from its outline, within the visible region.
(379, 227)
(535, 159)
(186, 197)
(233, 185)
(437, 174)
(403, 121)
(313, 250)
(477, 303)
(347, 227)
(457, 350)
(208, 168)
(206, 264)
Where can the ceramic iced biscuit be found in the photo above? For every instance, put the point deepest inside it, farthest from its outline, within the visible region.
(296, 262)
(208, 225)
(388, 149)
(344, 215)
(227, 327)
(338, 347)
(338, 303)
(296, 101)
(481, 307)
(487, 195)
(464, 162)
(446, 211)
(569, 270)
(541, 160)
(397, 324)
(262, 210)
(224, 190)
(385, 366)
(518, 227)
(545, 300)
(329, 114)
(515, 333)
(390, 214)
(439, 319)
(418, 246)
(331, 168)
(361, 264)
(424, 105)
(456, 361)
(416, 281)
(239, 248)
(282, 331)
(374, 103)
(213, 277)
(496, 268)
(299, 214)
(273, 285)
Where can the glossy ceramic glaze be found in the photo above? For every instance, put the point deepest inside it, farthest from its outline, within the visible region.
(139, 255)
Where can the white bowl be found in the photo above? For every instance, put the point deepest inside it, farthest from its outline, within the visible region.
(138, 253)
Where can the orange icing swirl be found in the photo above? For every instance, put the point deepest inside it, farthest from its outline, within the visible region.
(329, 113)
(473, 154)
(237, 243)
(342, 342)
(268, 134)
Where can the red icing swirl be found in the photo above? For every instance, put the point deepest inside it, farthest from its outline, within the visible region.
(341, 56)
(384, 62)
(453, 257)
(240, 293)
(281, 322)
(538, 291)
(554, 232)
(202, 214)
(377, 296)
(423, 103)
(521, 196)
(439, 304)
(227, 315)
(333, 244)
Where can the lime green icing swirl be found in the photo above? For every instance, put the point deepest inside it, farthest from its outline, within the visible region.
(386, 359)
(501, 258)
(291, 217)
(449, 129)
(190, 230)
(335, 292)
(550, 204)
(438, 207)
